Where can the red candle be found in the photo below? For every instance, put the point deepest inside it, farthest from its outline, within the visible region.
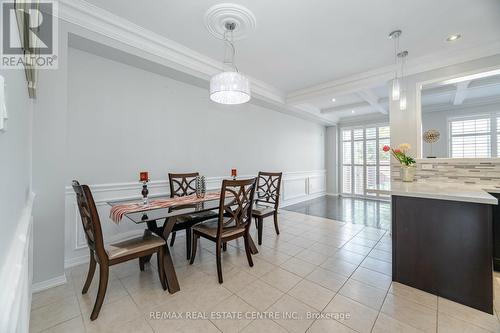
(234, 173)
(143, 176)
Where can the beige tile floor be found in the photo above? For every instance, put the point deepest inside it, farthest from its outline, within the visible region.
(315, 266)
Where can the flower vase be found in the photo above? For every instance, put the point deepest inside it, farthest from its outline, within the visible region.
(407, 173)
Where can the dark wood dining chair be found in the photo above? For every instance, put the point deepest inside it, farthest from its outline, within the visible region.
(182, 184)
(267, 202)
(111, 254)
(233, 221)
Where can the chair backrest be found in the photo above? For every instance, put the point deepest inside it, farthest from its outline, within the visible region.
(90, 219)
(236, 202)
(182, 184)
(268, 188)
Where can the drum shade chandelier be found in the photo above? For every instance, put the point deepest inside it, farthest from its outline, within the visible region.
(230, 87)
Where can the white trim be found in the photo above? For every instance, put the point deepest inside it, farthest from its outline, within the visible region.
(16, 275)
(470, 103)
(50, 283)
(369, 79)
(302, 199)
(493, 130)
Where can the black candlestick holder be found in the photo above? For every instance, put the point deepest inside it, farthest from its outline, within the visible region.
(145, 192)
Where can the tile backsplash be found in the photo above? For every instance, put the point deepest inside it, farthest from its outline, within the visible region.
(463, 170)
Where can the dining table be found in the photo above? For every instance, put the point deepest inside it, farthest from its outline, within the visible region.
(153, 216)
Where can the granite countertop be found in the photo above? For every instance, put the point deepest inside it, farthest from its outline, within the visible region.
(444, 191)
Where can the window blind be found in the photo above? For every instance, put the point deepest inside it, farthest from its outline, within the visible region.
(470, 138)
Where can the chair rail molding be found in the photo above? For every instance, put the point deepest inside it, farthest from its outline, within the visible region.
(16, 275)
(296, 187)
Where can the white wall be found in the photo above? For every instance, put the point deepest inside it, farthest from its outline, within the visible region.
(16, 202)
(122, 120)
(438, 120)
(15, 157)
(49, 166)
(332, 160)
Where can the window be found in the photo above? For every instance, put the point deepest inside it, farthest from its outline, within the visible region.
(363, 165)
(473, 137)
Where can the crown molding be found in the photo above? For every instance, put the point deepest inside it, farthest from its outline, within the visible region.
(180, 57)
(369, 79)
(471, 103)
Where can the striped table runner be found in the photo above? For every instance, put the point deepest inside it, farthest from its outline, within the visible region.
(117, 212)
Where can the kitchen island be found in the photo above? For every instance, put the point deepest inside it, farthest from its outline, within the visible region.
(442, 240)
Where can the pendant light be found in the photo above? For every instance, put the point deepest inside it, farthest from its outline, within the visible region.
(396, 89)
(402, 97)
(230, 87)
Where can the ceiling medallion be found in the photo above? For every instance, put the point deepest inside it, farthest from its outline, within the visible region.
(219, 15)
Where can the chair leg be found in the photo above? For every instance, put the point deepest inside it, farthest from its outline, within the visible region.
(161, 268)
(194, 246)
(276, 223)
(188, 243)
(141, 263)
(224, 246)
(172, 238)
(90, 274)
(248, 251)
(103, 285)
(260, 220)
(218, 257)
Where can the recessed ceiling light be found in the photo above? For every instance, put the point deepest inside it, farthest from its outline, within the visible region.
(353, 111)
(452, 38)
(333, 99)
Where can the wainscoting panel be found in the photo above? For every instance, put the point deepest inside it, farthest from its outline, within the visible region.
(16, 276)
(317, 184)
(296, 187)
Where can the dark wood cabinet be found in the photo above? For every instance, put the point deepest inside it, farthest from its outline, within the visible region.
(496, 234)
(445, 248)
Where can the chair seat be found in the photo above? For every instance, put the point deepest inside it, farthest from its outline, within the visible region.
(261, 210)
(209, 228)
(134, 245)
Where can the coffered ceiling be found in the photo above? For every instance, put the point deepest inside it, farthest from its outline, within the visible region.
(301, 46)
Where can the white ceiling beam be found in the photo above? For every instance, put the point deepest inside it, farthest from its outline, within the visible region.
(372, 99)
(382, 75)
(475, 102)
(461, 92)
(345, 107)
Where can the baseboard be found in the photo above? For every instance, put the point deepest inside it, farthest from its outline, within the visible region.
(51, 283)
(332, 194)
(68, 263)
(302, 199)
